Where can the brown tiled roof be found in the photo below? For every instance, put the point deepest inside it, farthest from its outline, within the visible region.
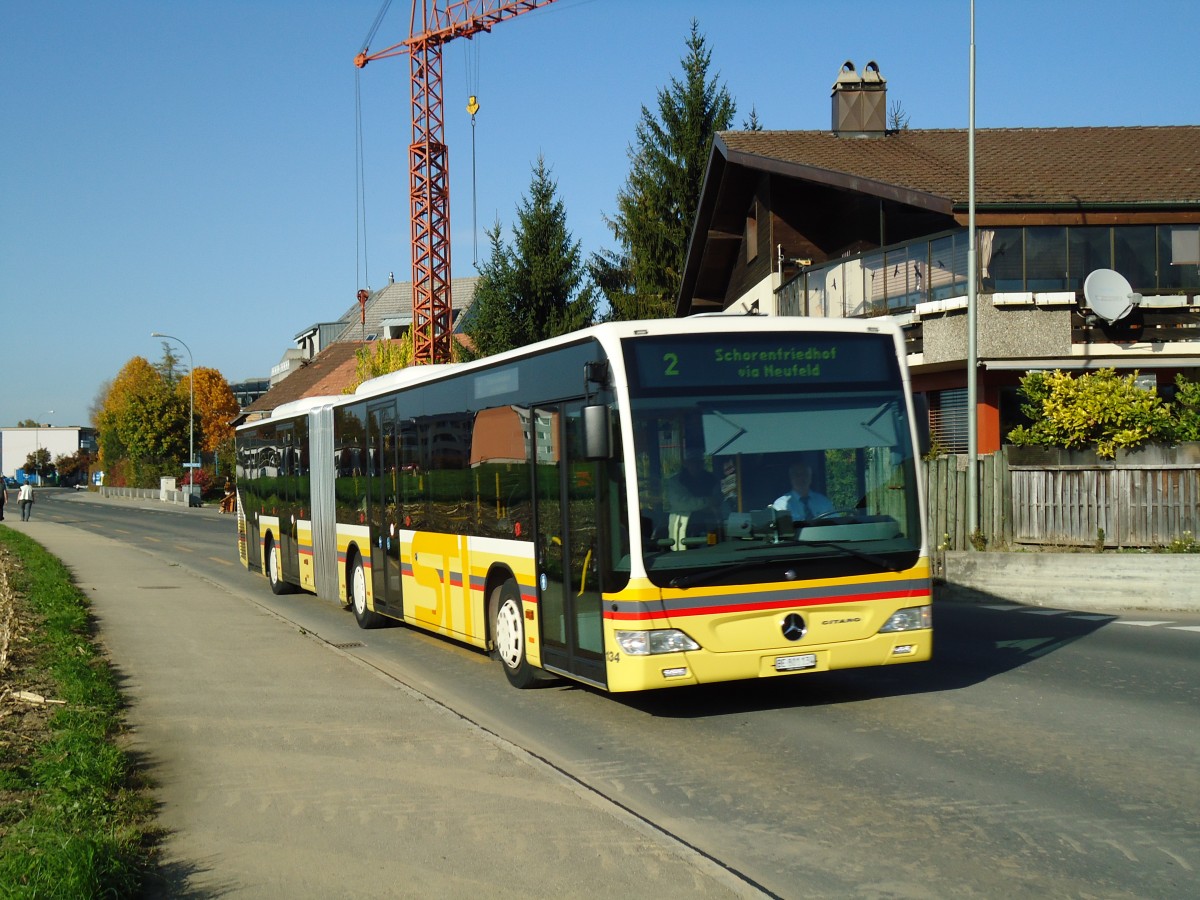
(329, 372)
(1035, 166)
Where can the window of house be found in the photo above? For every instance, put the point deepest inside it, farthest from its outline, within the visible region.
(1179, 253)
(1088, 248)
(752, 232)
(1046, 258)
(1133, 256)
(948, 419)
(1004, 270)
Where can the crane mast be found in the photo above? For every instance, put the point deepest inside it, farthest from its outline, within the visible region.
(433, 24)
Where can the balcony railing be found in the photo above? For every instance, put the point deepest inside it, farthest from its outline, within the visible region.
(1157, 259)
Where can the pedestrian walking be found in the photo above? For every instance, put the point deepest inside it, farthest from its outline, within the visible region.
(25, 498)
(3, 496)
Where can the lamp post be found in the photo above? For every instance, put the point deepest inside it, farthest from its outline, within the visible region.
(191, 463)
(972, 312)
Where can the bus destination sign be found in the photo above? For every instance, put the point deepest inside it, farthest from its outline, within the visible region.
(788, 359)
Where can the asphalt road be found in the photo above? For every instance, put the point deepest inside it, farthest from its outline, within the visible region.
(1042, 753)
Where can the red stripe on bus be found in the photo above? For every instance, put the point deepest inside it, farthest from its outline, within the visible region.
(762, 607)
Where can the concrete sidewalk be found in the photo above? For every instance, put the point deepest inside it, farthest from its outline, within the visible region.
(285, 768)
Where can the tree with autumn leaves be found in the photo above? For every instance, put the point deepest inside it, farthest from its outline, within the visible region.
(142, 417)
(381, 357)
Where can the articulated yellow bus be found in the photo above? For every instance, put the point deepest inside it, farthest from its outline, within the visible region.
(636, 505)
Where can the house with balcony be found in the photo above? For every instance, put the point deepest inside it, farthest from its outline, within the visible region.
(862, 221)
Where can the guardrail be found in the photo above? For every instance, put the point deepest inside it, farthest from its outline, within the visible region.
(162, 494)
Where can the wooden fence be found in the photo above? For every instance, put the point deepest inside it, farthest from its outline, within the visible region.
(1146, 498)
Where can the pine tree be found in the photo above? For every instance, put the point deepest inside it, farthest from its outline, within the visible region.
(656, 207)
(491, 322)
(547, 269)
(536, 288)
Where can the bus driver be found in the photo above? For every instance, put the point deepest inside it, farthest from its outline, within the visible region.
(803, 503)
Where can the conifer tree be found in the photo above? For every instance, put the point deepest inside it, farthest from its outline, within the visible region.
(537, 287)
(492, 319)
(656, 207)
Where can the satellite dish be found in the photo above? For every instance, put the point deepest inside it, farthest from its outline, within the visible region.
(1109, 295)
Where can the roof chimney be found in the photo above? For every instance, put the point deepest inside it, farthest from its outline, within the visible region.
(859, 102)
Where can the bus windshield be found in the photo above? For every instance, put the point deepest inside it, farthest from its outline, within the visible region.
(772, 457)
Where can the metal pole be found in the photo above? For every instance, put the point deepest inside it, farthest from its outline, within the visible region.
(191, 410)
(972, 315)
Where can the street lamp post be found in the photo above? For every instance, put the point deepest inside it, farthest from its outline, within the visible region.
(37, 450)
(191, 464)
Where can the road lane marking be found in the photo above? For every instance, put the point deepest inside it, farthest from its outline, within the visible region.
(1141, 623)
(1183, 863)
(1122, 849)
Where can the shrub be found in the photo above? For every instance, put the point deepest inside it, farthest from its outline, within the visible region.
(1186, 409)
(1099, 410)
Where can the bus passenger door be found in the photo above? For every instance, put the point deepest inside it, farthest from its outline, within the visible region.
(568, 509)
(289, 551)
(384, 469)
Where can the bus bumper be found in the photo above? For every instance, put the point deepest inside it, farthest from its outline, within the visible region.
(633, 673)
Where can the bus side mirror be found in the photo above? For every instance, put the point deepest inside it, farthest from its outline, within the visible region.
(597, 431)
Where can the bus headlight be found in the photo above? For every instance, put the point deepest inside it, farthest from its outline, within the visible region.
(648, 643)
(911, 619)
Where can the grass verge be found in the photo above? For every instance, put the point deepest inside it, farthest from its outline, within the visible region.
(75, 821)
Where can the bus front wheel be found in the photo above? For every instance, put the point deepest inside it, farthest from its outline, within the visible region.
(366, 618)
(508, 631)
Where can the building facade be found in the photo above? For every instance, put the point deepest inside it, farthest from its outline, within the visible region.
(17, 445)
(866, 221)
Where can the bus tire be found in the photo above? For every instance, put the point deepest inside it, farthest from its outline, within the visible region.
(357, 588)
(274, 567)
(508, 634)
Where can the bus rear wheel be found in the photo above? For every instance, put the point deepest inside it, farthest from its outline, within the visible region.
(365, 617)
(508, 632)
(275, 570)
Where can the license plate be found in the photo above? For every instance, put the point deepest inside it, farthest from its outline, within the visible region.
(792, 663)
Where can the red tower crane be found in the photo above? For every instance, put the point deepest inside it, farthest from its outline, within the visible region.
(434, 23)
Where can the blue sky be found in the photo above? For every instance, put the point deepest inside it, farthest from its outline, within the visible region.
(189, 167)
